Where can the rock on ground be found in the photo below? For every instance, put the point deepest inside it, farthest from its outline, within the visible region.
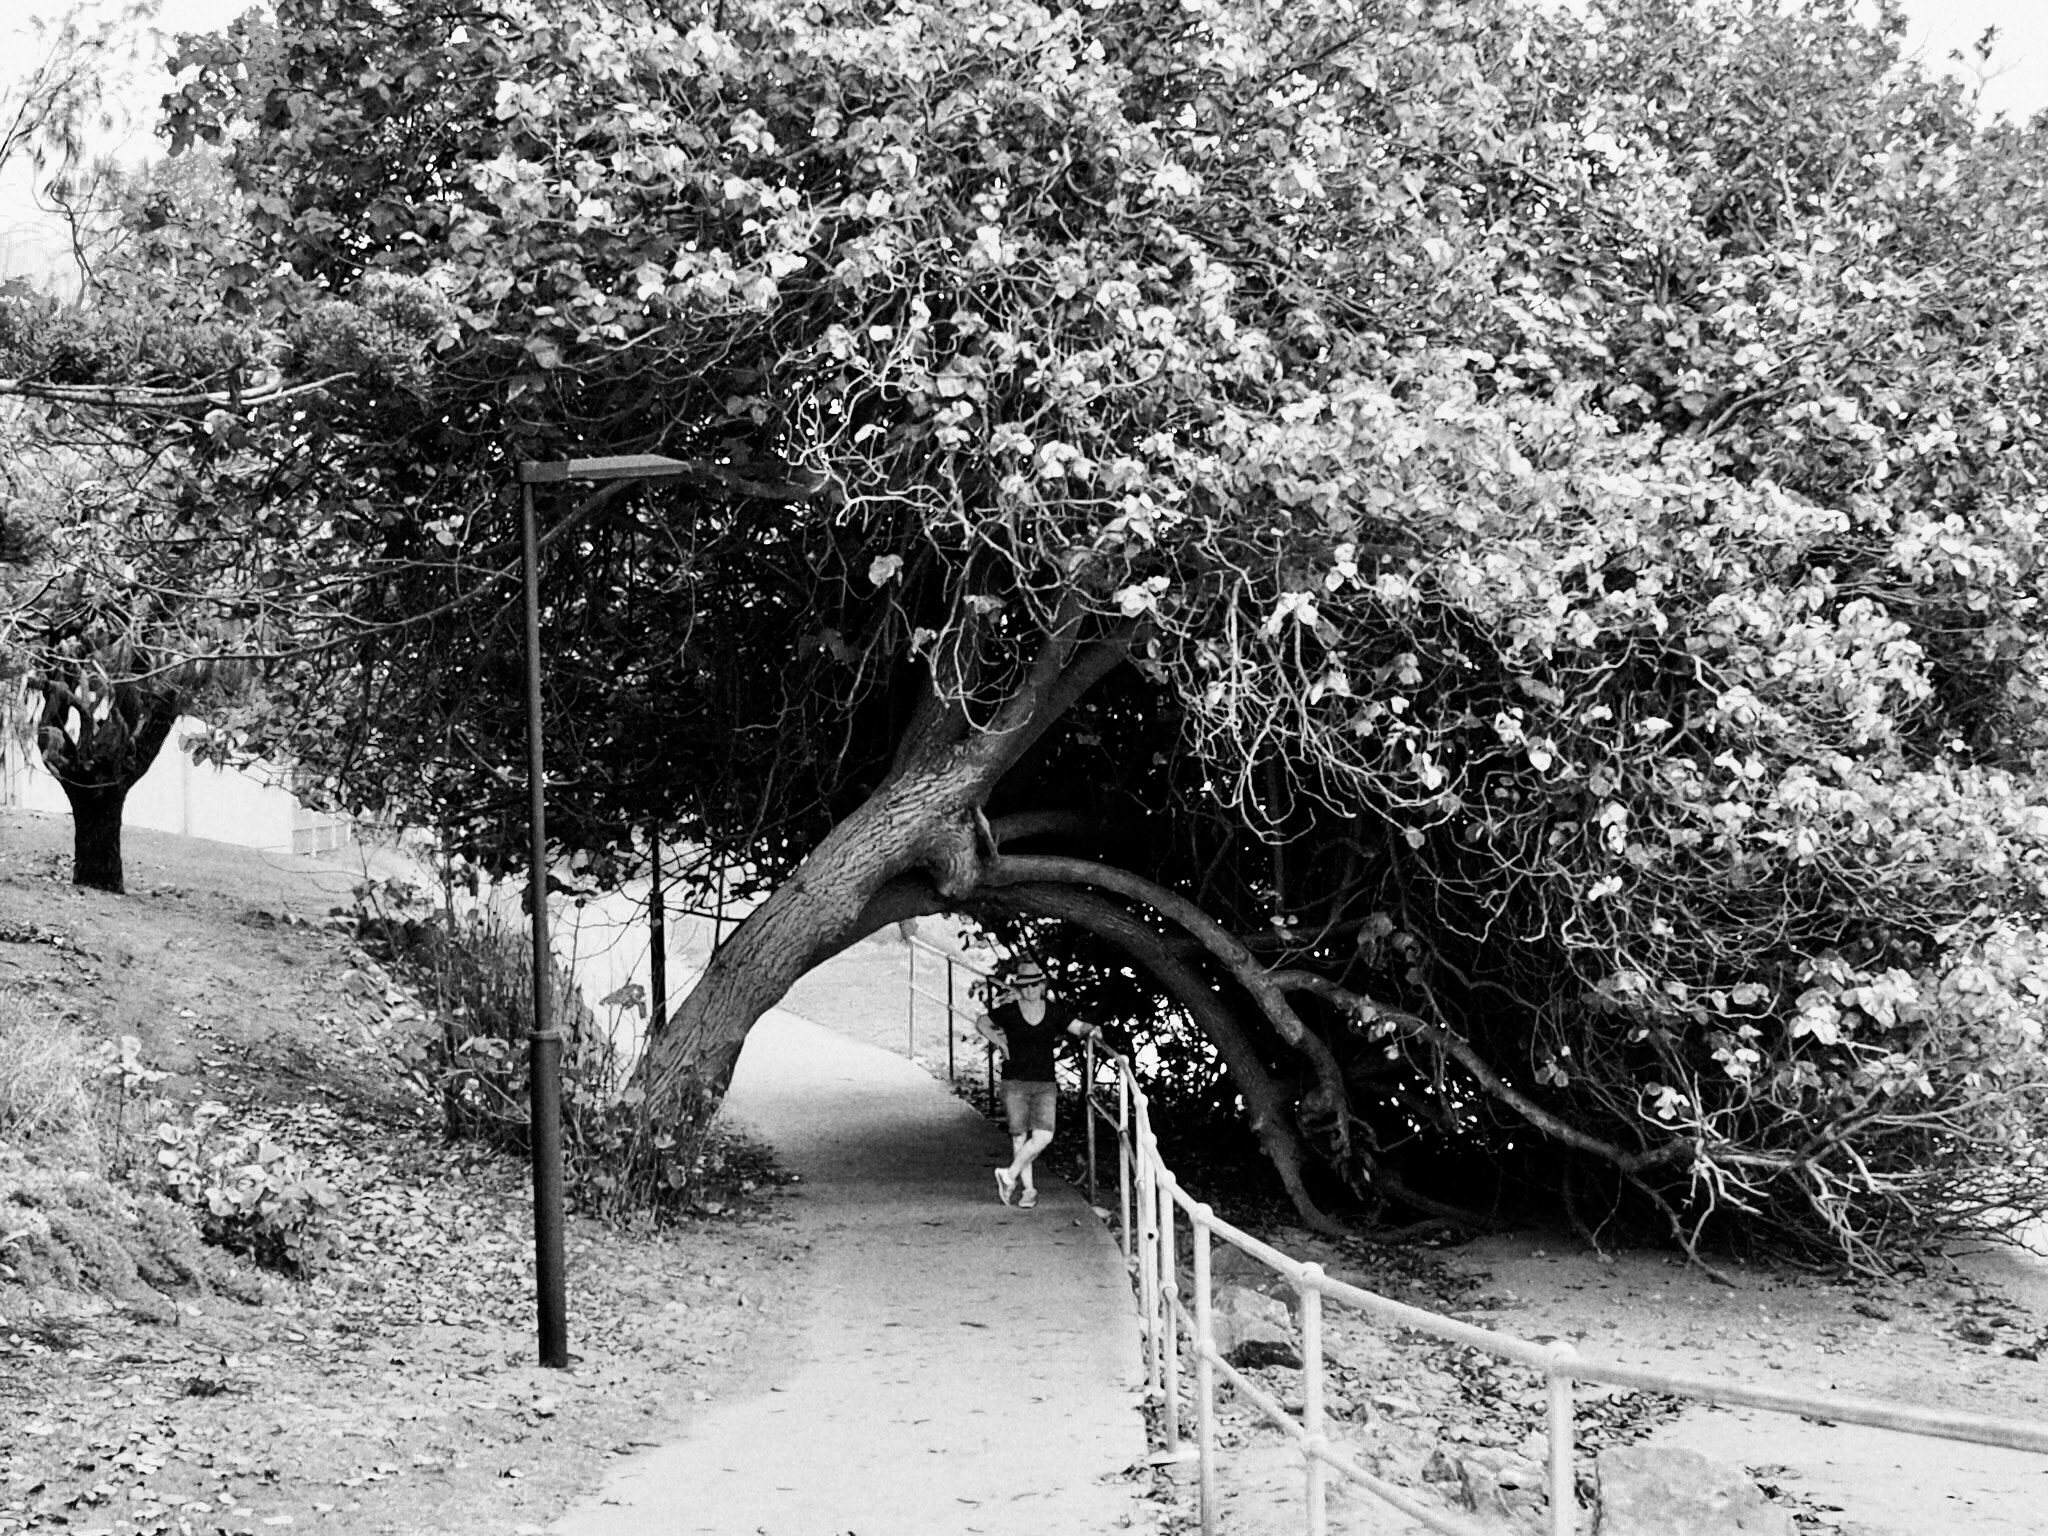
(1669, 1491)
(1253, 1330)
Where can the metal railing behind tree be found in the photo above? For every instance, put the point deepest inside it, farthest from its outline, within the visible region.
(1152, 1204)
(955, 996)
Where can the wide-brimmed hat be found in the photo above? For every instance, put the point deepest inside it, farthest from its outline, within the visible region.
(1030, 970)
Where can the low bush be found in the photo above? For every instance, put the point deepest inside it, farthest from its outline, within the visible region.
(252, 1194)
(126, 1110)
(77, 1120)
(473, 974)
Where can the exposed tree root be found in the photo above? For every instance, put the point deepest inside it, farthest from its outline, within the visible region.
(1631, 1165)
(1568, 1188)
(1437, 1213)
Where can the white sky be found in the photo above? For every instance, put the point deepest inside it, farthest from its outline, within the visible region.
(2017, 86)
(32, 241)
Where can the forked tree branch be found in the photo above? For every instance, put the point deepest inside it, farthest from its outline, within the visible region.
(1243, 966)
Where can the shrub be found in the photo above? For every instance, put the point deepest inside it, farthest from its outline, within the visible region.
(75, 1118)
(476, 979)
(72, 1229)
(124, 1106)
(253, 1195)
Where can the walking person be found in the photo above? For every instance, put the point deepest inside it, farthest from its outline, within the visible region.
(1026, 1029)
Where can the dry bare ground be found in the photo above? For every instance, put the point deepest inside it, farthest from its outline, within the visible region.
(1468, 1432)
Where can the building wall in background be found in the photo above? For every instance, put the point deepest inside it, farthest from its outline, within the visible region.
(187, 799)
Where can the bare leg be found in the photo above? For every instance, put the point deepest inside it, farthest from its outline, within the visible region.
(1026, 1150)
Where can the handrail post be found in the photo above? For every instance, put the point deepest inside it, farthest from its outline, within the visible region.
(1123, 1161)
(1205, 1373)
(1310, 1295)
(1169, 1326)
(952, 1018)
(910, 1010)
(1088, 1114)
(1147, 1258)
(1564, 1497)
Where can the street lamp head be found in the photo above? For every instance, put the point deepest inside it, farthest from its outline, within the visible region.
(617, 466)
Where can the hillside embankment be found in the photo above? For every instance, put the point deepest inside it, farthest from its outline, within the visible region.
(149, 1383)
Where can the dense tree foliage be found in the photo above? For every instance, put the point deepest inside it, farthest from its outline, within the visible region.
(127, 590)
(52, 480)
(1488, 554)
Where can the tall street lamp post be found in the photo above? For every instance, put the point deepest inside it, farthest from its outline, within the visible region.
(544, 1134)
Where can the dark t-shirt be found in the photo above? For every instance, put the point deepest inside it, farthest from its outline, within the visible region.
(1031, 1045)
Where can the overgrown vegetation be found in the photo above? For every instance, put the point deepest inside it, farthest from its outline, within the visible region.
(472, 1060)
(253, 1195)
(84, 1202)
(45, 1079)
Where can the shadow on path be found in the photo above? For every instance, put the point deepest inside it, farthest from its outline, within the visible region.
(962, 1367)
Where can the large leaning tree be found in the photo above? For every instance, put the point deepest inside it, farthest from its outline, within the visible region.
(1490, 555)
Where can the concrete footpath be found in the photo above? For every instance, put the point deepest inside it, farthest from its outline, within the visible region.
(963, 1367)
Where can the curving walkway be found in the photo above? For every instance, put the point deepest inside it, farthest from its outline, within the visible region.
(963, 1368)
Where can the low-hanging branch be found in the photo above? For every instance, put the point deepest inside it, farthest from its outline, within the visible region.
(1243, 966)
(1265, 1101)
(143, 397)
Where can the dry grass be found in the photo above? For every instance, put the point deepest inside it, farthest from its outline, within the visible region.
(46, 1076)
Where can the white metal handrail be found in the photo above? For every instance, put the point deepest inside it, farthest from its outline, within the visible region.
(948, 1000)
(1151, 1196)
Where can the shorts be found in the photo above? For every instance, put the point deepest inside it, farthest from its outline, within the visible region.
(1029, 1105)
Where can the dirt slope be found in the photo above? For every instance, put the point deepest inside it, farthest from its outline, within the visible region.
(147, 1386)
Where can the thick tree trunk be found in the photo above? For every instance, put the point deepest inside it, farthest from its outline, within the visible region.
(96, 836)
(813, 913)
(97, 750)
(926, 816)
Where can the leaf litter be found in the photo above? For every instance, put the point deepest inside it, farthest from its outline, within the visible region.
(394, 1389)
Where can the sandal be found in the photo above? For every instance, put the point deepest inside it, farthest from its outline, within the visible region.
(1006, 1185)
(1028, 1199)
